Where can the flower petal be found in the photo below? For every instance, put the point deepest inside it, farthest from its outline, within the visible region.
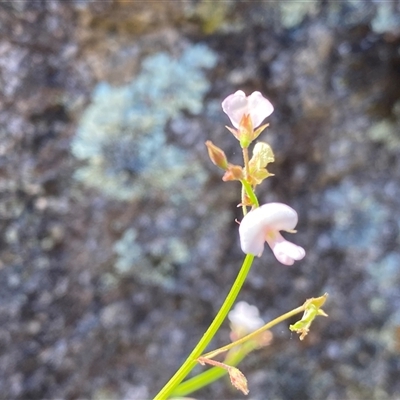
(235, 106)
(245, 317)
(262, 155)
(273, 216)
(256, 105)
(252, 233)
(263, 224)
(285, 252)
(259, 108)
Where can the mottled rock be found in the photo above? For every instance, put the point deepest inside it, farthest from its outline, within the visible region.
(72, 325)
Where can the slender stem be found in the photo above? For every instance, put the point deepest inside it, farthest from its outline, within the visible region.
(214, 363)
(190, 362)
(246, 162)
(250, 192)
(244, 208)
(199, 381)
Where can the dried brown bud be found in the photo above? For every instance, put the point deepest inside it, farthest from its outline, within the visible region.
(217, 155)
(233, 173)
(238, 380)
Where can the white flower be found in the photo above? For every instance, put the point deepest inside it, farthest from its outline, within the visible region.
(263, 225)
(237, 105)
(245, 319)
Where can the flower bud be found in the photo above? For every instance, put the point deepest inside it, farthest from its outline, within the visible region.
(233, 173)
(217, 155)
(245, 131)
(238, 380)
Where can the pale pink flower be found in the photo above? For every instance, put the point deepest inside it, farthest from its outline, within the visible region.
(236, 105)
(244, 319)
(263, 225)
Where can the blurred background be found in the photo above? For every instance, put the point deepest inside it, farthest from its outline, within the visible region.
(118, 240)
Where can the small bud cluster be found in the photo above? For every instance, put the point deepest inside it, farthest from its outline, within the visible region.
(246, 113)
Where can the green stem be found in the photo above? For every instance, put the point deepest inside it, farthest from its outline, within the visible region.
(199, 381)
(244, 208)
(246, 162)
(250, 192)
(190, 362)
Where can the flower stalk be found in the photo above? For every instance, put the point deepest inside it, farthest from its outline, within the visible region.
(190, 362)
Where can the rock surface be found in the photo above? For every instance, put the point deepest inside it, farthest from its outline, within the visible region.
(103, 297)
